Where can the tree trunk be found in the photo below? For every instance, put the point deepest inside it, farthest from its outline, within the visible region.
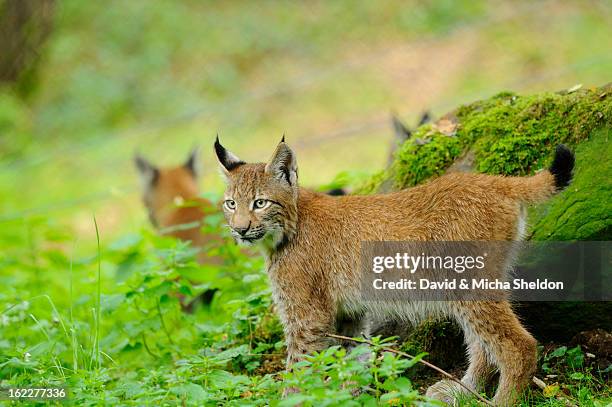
(25, 26)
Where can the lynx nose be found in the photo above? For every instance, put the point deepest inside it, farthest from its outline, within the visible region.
(242, 230)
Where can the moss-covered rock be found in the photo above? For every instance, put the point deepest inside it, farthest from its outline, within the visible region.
(516, 135)
(584, 210)
(509, 134)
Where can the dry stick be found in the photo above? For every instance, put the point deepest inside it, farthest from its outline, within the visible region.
(424, 362)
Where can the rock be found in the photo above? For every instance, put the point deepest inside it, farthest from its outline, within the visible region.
(598, 344)
(515, 135)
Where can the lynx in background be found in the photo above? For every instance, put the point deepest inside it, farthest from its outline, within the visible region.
(312, 243)
(401, 133)
(171, 196)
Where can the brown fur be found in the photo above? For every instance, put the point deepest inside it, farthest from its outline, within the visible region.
(171, 196)
(313, 241)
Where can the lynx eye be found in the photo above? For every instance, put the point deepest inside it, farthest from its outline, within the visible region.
(230, 204)
(260, 204)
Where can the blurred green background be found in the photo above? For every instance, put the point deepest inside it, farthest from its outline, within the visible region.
(114, 77)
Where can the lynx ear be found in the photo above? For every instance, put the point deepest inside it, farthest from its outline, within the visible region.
(147, 171)
(283, 164)
(226, 158)
(401, 132)
(425, 118)
(193, 162)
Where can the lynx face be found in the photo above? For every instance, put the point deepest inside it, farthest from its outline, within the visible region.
(165, 188)
(260, 199)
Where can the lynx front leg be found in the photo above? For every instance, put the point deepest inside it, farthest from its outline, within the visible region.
(305, 329)
(305, 326)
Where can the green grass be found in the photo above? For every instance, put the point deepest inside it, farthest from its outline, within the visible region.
(123, 339)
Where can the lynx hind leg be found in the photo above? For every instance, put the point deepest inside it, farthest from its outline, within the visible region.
(479, 373)
(480, 368)
(504, 340)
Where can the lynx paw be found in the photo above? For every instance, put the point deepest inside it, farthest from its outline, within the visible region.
(446, 391)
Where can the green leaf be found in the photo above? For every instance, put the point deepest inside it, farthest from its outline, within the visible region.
(560, 351)
(294, 400)
(125, 242)
(575, 357)
(110, 303)
(392, 398)
(403, 384)
(577, 376)
(224, 380)
(191, 392)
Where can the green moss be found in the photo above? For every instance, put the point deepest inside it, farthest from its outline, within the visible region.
(509, 134)
(372, 184)
(415, 163)
(516, 135)
(584, 210)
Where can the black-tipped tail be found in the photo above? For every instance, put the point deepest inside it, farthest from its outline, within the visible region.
(336, 192)
(562, 167)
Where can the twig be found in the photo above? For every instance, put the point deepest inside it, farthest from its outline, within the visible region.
(146, 346)
(424, 362)
(163, 324)
(540, 383)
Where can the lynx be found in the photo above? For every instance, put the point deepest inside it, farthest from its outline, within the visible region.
(402, 132)
(171, 196)
(312, 245)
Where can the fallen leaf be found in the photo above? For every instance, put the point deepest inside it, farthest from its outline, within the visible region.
(551, 390)
(447, 127)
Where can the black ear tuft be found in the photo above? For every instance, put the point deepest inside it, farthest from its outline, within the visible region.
(219, 150)
(425, 118)
(228, 160)
(283, 165)
(283, 139)
(401, 132)
(562, 166)
(147, 171)
(192, 162)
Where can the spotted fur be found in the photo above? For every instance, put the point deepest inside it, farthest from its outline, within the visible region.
(312, 243)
